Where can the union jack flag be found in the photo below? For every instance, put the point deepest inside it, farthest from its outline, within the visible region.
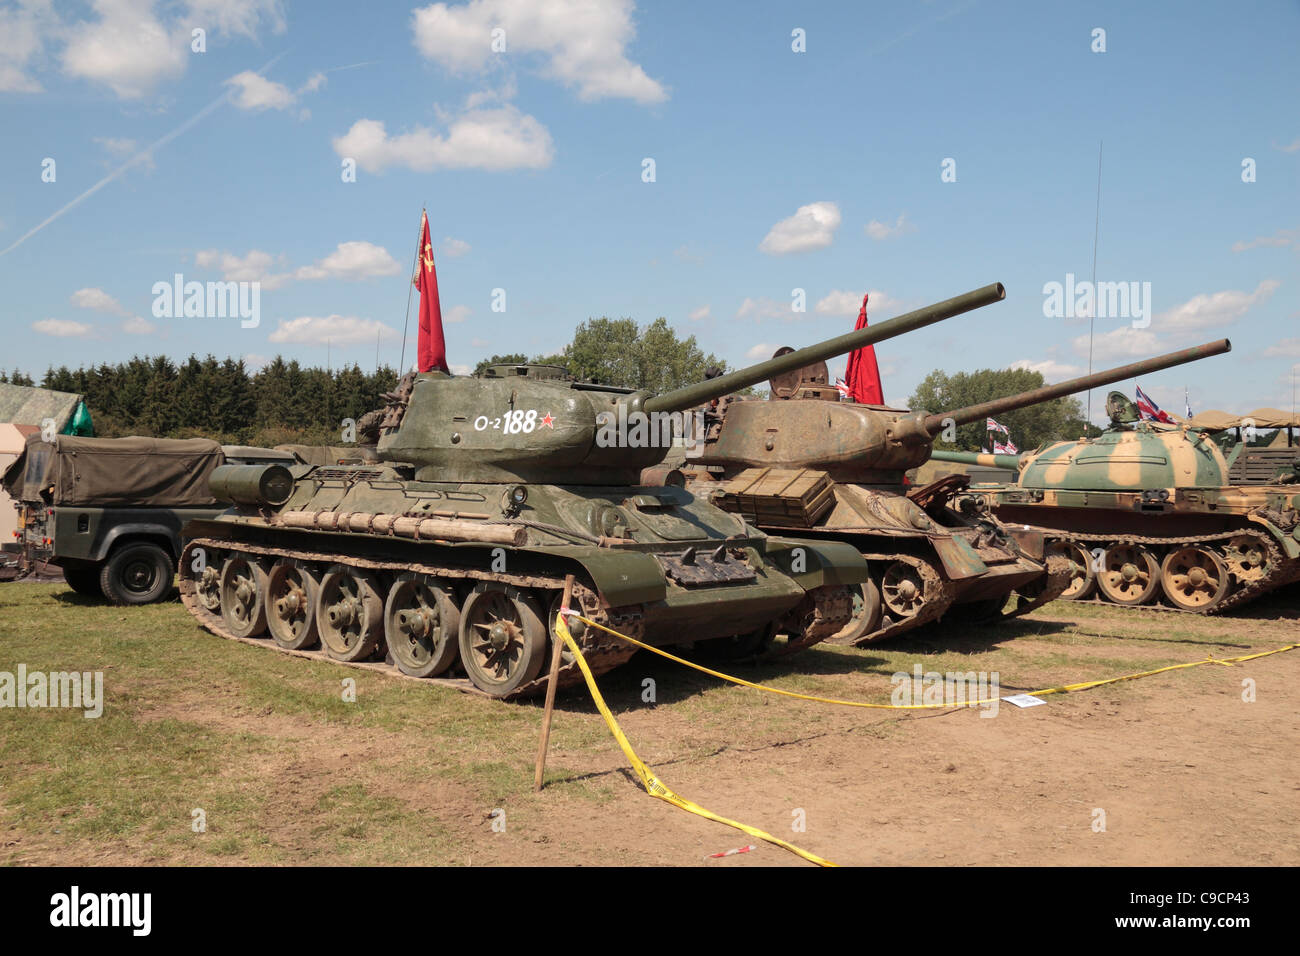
(1005, 449)
(991, 425)
(842, 385)
(1149, 410)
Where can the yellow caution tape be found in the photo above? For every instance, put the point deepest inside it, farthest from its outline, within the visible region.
(656, 788)
(653, 785)
(1063, 689)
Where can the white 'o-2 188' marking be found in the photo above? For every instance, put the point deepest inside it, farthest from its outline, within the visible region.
(512, 422)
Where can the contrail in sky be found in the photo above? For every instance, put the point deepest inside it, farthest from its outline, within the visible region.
(138, 158)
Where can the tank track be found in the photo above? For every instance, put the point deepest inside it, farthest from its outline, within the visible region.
(1278, 571)
(1059, 573)
(603, 653)
(942, 594)
(824, 613)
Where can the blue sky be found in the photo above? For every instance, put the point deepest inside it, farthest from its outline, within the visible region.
(530, 162)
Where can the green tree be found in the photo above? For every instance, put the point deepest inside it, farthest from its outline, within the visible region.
(619, 352)
(1057, 420)
(514, 358)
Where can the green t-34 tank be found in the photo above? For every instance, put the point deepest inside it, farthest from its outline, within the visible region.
(1148, 510)
(805, 462)
(488, 491)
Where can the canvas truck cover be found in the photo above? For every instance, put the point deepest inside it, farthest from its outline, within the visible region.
(105, 472)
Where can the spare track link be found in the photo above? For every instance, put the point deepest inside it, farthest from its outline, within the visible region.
(602, 651)
(1278, 571)
(827, 611)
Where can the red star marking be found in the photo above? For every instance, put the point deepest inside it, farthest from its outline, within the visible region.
(548, 421)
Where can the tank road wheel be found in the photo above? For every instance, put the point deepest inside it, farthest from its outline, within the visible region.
(502, 638)
(421, 625)
(243, 596)
(902, 589)
(867, 609)
(291, 605)
(349, 613)
(1244, 558)
(1084, 579)
(1129, 574)
(1194, 579)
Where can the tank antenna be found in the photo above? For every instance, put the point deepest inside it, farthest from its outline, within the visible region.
(415, 259)
(1092, 315)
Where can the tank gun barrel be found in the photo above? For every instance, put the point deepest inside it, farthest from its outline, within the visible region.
(973, 413)
(700, 392)
(979, 458)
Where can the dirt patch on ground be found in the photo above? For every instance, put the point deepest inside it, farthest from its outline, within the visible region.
(1175, 769)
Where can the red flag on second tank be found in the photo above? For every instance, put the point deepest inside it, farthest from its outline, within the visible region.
(431, 348)
(863, 375)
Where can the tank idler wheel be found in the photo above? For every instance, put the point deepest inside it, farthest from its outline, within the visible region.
(902, 589)
(291, 604)
(243, 596)
(1194, 579)
(349, 613)
(421, 625)
(1245, 559)
(1084, 578)
(1129, 574)
(867, 609)
(502, 638)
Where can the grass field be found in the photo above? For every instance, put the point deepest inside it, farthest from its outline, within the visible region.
(283, 769)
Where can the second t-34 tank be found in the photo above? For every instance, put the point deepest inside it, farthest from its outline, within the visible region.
(806, 462)
(453, 547)
(1151, 511)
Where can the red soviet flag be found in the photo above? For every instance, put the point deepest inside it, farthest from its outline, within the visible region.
(431, 349)
(863, 375)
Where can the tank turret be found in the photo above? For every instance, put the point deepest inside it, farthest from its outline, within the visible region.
(529, 423)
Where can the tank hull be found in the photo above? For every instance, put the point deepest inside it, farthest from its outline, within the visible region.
(655, 563)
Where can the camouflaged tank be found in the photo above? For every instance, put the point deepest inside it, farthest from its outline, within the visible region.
(450, 551)
(1148, 512)
(806, 462)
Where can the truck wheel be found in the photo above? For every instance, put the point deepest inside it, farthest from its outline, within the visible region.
(139, 573)
(84, 581)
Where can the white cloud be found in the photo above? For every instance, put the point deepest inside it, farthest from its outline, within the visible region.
(761, 351)
(1206, 311)
(1052, 370)
(842, 302)
(353, 261)
(492, 139)
(700, 314)
(584, 43)
(62, 328)
(457, 313)
(253, 361)
(253, 267)
(256, 92)
(881, 230)
(1285, 347)
(454, 248)
(137, 325)
(764, 308)
(811, 227)
(127, 48)
(1124, 342)
(230, 17)
(99, 300)
(337, 329)
(1292, 147)
(23, 31)
(1283, 237)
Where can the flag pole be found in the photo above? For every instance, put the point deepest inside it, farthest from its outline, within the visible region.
(401, 364)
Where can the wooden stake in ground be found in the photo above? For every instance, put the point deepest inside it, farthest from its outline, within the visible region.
(556, 651)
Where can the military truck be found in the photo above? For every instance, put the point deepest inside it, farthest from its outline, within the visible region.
(109, 511)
